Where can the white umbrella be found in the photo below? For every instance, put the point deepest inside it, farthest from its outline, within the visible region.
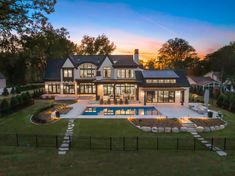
(206, 98)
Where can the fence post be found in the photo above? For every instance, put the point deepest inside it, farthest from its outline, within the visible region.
(177, 144)
(157, 143)
(194, 144)
(36, 140)
(110, 143)
(212, 143)
(90, 143)
(225, 141)
(123, 143)
(56, 141)
(17, 140)
(137, 143)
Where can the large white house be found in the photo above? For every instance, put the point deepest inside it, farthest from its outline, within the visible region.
(115, 77)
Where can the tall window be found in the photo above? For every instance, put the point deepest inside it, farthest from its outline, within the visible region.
(108, 89)
(165, 96)
(68, 73)
(53, 88)
(87, 88)
(87, 71)
(107, 72)
(69, 89)
(125, 73)
(126, 90)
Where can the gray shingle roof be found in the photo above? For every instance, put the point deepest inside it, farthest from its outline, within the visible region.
(2, 76)
(179, 76)
(117, 60)
(53, 69)
(159, 74)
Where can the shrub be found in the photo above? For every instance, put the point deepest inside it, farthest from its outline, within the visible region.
(20, 99)
(115, 101)
(121, 101)
(5, 92)
(4, 107)
(17, 89)
(109, 101)
(14, 103)
(220, 100)
(13, 90)
(24, 98)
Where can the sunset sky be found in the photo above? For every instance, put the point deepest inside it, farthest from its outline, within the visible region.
(147, 24)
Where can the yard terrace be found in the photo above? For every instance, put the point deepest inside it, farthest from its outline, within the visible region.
(207, 122)
(157, 122)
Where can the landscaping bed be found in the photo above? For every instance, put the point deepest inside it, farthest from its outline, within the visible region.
(207, 124)
(158, 125)
(44, 115)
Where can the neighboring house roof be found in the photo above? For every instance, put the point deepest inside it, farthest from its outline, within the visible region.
(159, 74)
(53, 69)
(199, 80)
(123, 61)
(2, 76)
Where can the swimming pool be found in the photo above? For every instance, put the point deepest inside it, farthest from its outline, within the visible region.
(121, 111)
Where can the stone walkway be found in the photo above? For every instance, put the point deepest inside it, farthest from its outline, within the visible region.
(191, 128)
(65, 146)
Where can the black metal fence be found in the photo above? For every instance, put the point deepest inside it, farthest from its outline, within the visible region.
(115, 143)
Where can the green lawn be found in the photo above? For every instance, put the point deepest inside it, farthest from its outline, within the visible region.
(32, 161)
(113, 127)
(19, 122)
(45, 161)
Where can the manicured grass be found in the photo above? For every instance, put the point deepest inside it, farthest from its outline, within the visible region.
(114, 127)
(19, 122)
(32, 161)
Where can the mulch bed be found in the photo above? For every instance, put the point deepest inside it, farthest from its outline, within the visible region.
(157, 122)
(207, 122)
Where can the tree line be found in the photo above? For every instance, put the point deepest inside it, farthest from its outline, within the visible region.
(28, 40)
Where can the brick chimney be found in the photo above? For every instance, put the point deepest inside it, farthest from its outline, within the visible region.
(136, 56)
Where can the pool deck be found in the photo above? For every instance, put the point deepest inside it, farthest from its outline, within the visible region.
(167, 111)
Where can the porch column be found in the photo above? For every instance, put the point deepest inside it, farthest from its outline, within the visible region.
(114, 91)
(137, 93)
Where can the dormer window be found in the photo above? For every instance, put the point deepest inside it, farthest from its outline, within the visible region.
(107, 72)
(88, 71)
(161, 81)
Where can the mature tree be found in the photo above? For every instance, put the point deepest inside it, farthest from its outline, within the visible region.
(20, 17)
(175, 53)
(222, 60)
(151, 64)
(100, 45)
(48, 44)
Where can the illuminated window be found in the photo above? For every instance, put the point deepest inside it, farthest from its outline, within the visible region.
(68, 73)
(87, 71)
(162, 81)
(125, 73)
(107, 72)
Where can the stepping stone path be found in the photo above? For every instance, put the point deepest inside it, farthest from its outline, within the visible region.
(64, 147)
(191, 128)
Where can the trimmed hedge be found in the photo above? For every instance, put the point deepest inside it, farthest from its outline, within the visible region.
(227, 101)
(15, 103)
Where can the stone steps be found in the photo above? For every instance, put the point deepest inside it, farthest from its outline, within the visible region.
(64, 147)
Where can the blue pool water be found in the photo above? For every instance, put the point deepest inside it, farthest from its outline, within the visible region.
(121, 111)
